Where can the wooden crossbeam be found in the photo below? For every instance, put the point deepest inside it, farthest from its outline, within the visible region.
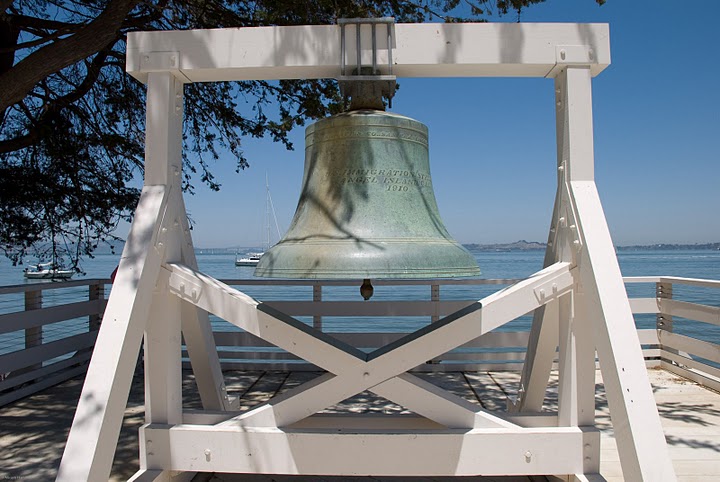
(420, 50)
(352, 371)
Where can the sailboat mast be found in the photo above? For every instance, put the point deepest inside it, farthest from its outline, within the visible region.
(271, 207)
(267, 212)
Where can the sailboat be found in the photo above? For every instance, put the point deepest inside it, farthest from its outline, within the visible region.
(252, 259)
(51, 270)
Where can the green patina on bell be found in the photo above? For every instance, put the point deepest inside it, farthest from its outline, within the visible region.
(367, 207)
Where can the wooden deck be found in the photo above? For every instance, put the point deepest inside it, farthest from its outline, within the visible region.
(33, 430)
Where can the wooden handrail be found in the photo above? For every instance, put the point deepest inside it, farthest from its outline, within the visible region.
(492, 351)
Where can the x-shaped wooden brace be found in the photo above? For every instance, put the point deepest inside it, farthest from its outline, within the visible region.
(384, 371)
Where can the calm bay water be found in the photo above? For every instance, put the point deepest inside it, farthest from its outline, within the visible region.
(513, 264)
(703, 264)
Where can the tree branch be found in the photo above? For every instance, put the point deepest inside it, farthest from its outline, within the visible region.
(33, 43)
(26, 21)
(52, 108)
(99, 33)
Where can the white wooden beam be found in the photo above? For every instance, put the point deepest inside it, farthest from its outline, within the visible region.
(94, 433)
(163, 370)
(357, 372)
(163, 130)
(198, 335)
(359, 452)
(420, 50)
(424, 398)
(162, 340)
(543, 340)
(641, 442)
(539, 359)
(576, 391)
(236, 307)
(239, 309)
(567, 365)
(576, 404)
(417, 395)
(575, 99)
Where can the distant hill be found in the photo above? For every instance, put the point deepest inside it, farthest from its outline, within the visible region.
(521, 245)
(665, 247)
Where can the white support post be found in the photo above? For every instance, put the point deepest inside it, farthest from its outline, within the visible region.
(163, 130)
(163, 165)
(163, 370)
(604, 304)
(576, 380)
(573, 90)
(543, 338)
(568, 410)
(162, 340)
(163, 391)
(171, 316)
(163, 161)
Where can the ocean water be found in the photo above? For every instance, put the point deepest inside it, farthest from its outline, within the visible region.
(704, 264)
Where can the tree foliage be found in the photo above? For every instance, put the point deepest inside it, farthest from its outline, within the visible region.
(72, 121)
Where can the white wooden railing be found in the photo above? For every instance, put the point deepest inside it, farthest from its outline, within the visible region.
(47, 330)
(692, 357)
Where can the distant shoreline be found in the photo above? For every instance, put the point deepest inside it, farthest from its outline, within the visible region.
(521, 245)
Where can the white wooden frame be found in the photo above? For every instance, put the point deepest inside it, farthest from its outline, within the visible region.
(579, 298)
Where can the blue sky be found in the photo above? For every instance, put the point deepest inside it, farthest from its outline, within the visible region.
(492, 141)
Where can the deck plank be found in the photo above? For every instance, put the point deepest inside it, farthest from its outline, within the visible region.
(236, 383)
(486, 391)
(33, 430)
(690, 417)
(266, 386)
(452, 382)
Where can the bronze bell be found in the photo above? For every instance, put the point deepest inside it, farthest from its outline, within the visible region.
(367, 207)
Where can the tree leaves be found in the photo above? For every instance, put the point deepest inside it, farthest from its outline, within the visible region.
(72, 121)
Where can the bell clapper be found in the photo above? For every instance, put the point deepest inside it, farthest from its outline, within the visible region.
(366, 290)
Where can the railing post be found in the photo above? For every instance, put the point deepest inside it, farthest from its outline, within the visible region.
(664, 290)
(96, 291)
(435, 296)
(317, 298)
(33, 335)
